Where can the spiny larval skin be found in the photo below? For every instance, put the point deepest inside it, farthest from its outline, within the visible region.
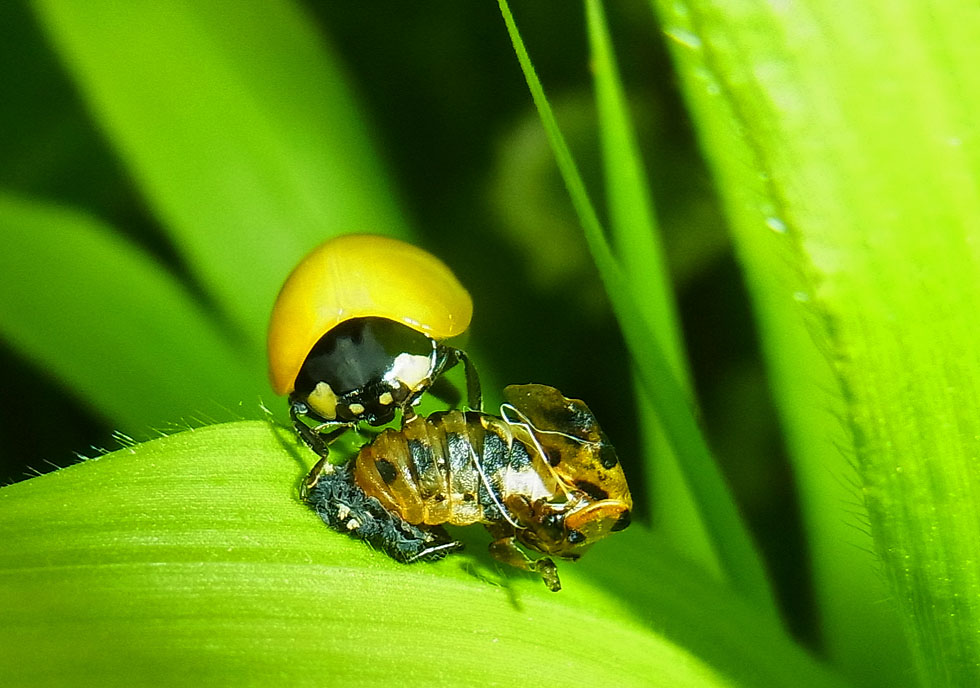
(344, 507)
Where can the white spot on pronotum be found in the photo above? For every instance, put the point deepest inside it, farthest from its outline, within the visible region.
(410, 370)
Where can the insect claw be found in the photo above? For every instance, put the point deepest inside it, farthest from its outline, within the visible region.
(549, 573)
(321, 468)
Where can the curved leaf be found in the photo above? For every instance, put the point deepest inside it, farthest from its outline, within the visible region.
(239, 127)
(113, 324)
(732, 543)
(845, 141)
(191, 559)
(636, 240)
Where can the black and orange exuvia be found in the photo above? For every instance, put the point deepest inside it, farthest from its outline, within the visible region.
(541, 474)
(358, 333)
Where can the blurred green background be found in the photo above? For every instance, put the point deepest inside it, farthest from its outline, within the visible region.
(446, 109)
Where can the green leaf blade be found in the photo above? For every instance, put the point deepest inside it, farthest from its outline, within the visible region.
(191, 558)
(734, 546)
(112, 324)
(238, 126)
(636, 238)
(853, 133)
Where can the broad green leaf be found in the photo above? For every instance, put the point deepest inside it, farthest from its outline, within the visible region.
(844, 137)
(739, 558)
(190, 559)
(238, 125)
(112, 324)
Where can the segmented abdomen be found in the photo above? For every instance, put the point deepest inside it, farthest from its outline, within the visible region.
(438, 469)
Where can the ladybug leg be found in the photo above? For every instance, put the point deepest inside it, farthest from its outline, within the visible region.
(321, 468)
(474, 395)
(448, 359)
(505, 550)
(315, 437)
(408, 414)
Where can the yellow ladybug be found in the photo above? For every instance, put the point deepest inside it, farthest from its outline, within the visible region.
(357, 333)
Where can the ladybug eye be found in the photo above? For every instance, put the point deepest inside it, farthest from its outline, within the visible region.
(576, 537)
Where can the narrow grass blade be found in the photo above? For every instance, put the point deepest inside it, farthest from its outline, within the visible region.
(736, 551)
(239, 128)
(112, 324)
(191, 560)
(636, 238)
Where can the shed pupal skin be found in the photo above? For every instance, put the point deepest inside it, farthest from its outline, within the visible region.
(456, 468)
